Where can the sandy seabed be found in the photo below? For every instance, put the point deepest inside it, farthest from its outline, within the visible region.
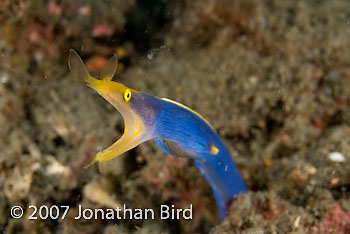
(271, 76)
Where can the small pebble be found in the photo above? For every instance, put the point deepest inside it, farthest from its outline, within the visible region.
(3, 79)
(296, 222)
(336, 157)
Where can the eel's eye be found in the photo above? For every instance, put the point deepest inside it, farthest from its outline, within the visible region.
(127, 95)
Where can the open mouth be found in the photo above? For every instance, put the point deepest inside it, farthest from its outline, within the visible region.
(134, 134)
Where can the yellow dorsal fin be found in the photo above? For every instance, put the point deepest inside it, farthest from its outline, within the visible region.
(189, 109)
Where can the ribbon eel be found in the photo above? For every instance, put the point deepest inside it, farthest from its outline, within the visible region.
(176, 129)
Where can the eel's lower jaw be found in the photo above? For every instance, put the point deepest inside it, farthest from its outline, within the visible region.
(134, 134)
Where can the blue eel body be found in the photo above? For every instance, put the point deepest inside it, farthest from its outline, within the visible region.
(178, 131)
